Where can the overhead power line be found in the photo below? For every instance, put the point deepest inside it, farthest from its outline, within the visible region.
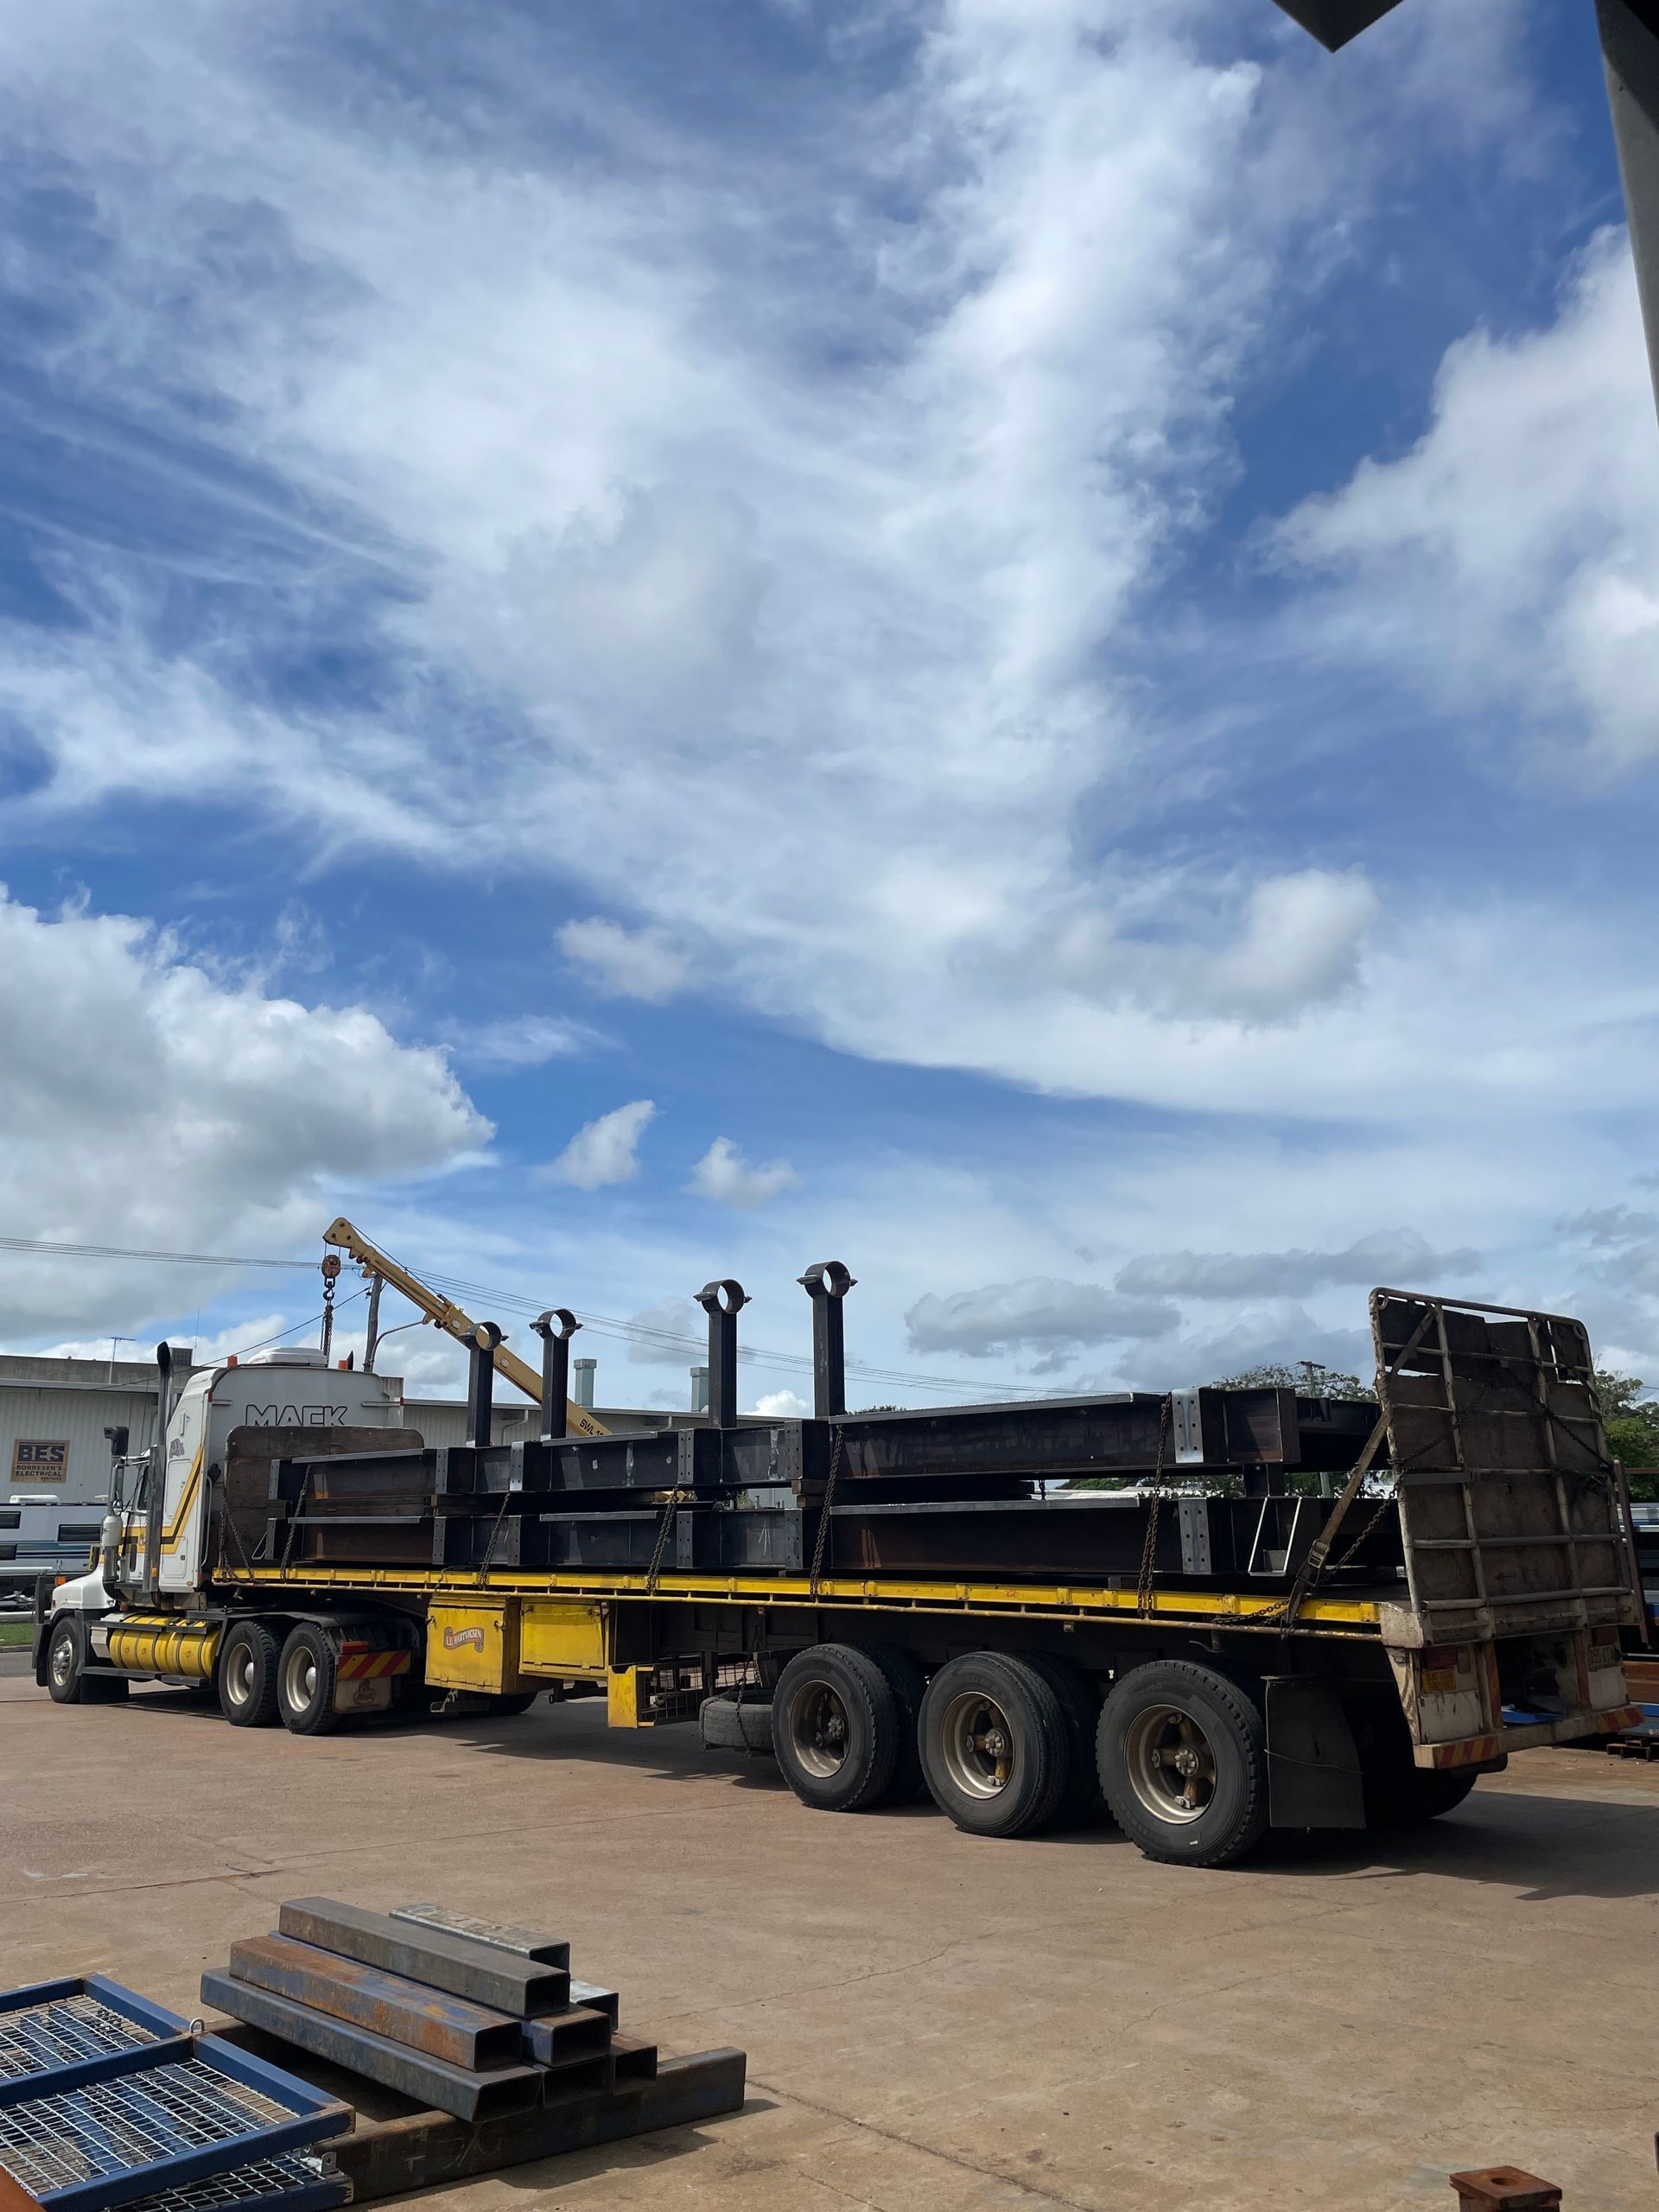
(49, 1249)
(669, 1342)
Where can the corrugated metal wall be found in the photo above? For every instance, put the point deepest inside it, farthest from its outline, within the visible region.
(74, 1415)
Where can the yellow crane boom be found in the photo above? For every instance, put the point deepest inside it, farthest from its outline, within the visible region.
(443, 1313)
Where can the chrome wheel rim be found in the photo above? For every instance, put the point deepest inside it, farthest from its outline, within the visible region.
(1171, 1764)
(818, 1729)
(63, 1659)
(300, 1680)
(978, 1745)
(238, 1675)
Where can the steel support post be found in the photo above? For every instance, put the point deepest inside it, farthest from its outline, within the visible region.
(722, 1301)
(1630, 47)
(556, 1328)
(481, 1384)
(826, 1284)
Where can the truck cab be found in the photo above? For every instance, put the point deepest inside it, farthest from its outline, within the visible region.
(157, 1535)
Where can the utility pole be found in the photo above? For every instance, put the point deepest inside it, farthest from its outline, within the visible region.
(1629, 50)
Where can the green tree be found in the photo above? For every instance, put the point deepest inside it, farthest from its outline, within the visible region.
(1632, 1425)
(1308, 1379)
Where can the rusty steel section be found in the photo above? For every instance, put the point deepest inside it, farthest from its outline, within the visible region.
(429, 2020)
(1509, 1504)
(479, 1972)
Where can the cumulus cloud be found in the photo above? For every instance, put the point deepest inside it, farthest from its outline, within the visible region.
(147, 1102)
(1041, 1314)
(631, 963)
(797, 581)
(1610, 1225)
(1389, 1257)
(605, 1150)
(781, 1405)
(1511, 556)
(723, 1174)
(670, 1333)
(1279, 1332)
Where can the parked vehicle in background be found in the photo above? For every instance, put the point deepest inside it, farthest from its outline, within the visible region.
(40, 1534)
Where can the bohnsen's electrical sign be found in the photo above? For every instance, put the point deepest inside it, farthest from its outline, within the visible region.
(34, 1463)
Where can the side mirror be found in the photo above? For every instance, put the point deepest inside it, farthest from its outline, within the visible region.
(117, 1440)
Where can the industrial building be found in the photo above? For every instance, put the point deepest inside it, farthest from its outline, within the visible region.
(54, 1414)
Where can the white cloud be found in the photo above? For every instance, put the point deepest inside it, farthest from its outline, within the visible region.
(1040, 1314)
(781, 1405)
(205, 1350)
(671, 1333)
(605, 1150)
(795, 563)
(526, 1041)
(724, 1175)
(632, 963)
(145, 1102)
(1391, 1257)
(1297, 944)
(1510, 559)
(823, 663)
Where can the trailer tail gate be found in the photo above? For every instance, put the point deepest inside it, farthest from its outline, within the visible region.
(1517, 1555)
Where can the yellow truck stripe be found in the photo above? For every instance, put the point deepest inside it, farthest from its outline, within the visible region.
(1338, 1615)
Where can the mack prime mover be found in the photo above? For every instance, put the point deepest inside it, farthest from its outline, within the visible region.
(1264, 1610)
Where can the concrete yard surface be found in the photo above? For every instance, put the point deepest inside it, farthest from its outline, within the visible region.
(932, 2021)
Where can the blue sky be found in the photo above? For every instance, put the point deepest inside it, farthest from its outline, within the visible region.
(1012, 639)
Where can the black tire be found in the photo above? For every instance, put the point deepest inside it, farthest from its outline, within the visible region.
(994, 1744)
(305, 1681)
(838, 1729)
(1408, 1797)
(244, 1675)
(505, 1704)
(65, 1661)
(1205, 1814)
(909, 1687)
(1081, 1803)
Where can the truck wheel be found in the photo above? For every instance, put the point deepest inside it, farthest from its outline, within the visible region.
(838, 1730)
(65, 1661)
(305, 1681)
(909, 1687)
(1081, 1800)
(247, 1676)
(994, 1743)
(503, 1704)
(1184, 1763)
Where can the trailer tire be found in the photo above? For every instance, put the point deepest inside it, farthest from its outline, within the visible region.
(1409, 1797)
(1184, 1763)
(65, 1661)
(837, 1728)
(244, 1679)
(909, 1687)
(1081, 1802)
(994, 1744)
(305, 1681)
(507, 1704)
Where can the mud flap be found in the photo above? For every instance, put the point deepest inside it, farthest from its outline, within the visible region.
(1314, 1779)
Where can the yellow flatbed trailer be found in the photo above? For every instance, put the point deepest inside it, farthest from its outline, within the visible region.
(1204, 1710)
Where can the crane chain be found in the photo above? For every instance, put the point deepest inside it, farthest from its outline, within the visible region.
(676, 1498)
(821, 1542)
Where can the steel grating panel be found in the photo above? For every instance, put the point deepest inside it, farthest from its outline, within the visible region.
(295, 2184)
(153, 2118)
(40, 2039)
